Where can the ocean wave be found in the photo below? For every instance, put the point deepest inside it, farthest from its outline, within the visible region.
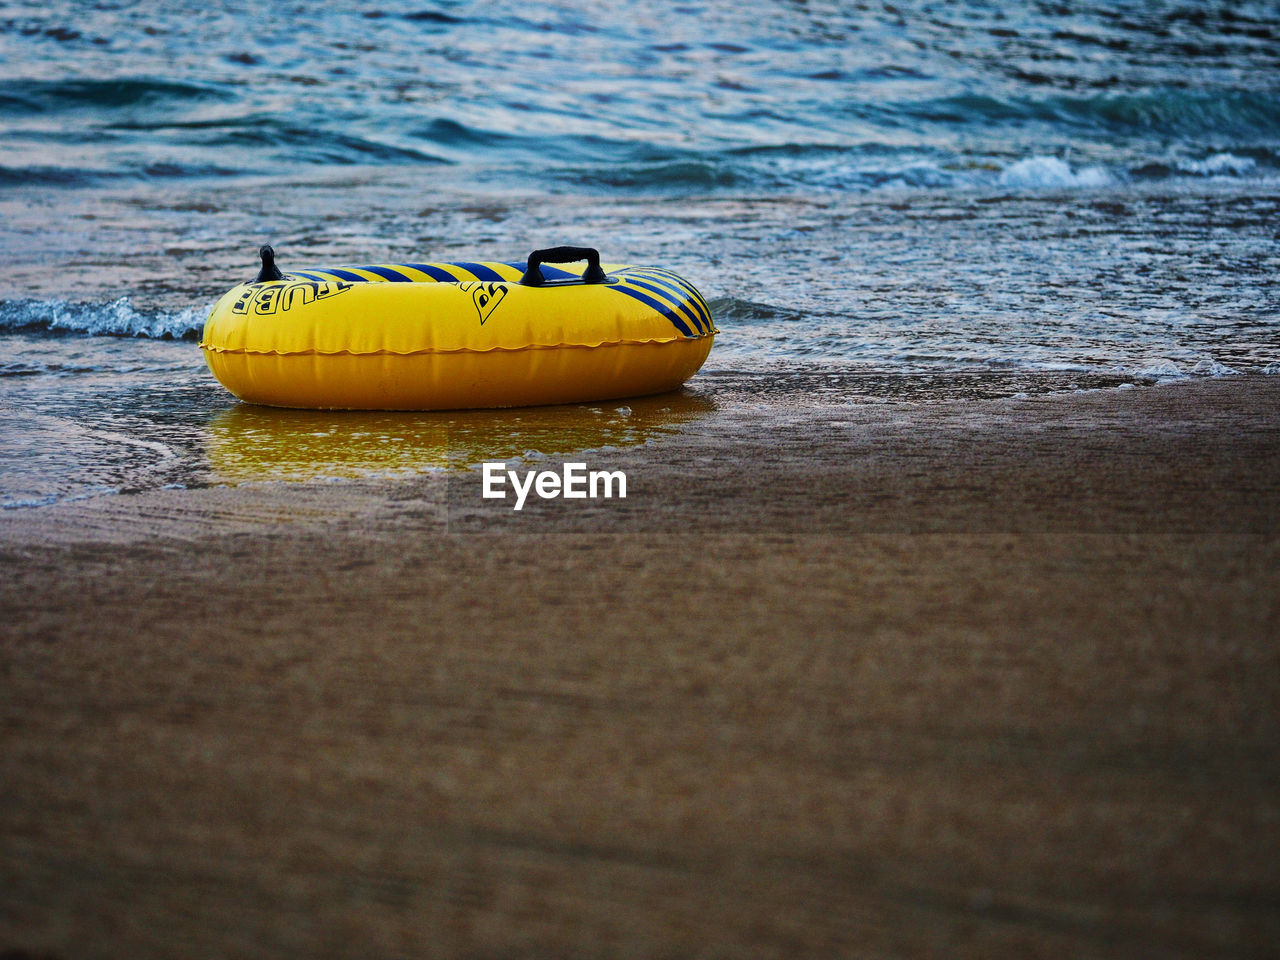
(37, 96)
(692, 173)
(1169, 112)
(34, 368)
(119, 318)
(873, 167)
(1176, 113)
(735, 311)
(51, 176)
(82, 176)
(293, 143)
(243, 135)
(1052, 173)
(431, 16)
(1220, 165)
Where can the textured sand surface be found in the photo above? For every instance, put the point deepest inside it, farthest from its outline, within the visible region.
(979, 679)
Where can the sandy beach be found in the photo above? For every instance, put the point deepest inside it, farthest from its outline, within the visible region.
(939, 618)
(949, 679)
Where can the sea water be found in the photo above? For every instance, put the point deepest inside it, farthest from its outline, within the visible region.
(969, 197)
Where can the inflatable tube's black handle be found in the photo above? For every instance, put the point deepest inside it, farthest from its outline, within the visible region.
(269, 269)
(593, 274)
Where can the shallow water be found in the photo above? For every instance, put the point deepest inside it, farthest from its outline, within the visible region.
(916, 200)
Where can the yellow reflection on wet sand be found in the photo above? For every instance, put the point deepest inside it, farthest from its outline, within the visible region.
(250, 443)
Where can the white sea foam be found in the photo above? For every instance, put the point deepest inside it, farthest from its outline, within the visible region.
(1213, 368)
(1047, 173)
(1158, 370)
(1220, 165)
(1166, 370)
(118, 318)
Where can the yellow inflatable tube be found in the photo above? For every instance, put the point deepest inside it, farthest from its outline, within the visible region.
(441, 336)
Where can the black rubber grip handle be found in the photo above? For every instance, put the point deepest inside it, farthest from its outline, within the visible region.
(593, 274)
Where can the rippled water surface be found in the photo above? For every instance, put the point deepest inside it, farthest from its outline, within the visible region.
(925, 189)
(666, 95)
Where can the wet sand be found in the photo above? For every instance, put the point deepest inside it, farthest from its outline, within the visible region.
(962, 679)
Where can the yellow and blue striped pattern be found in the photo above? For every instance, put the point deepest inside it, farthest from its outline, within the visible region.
(662, 291)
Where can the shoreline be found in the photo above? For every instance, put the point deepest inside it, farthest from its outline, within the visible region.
(968, 679)
(1185, 456)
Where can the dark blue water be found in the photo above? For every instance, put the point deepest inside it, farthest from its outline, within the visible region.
(914, 187)
(719, 95)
